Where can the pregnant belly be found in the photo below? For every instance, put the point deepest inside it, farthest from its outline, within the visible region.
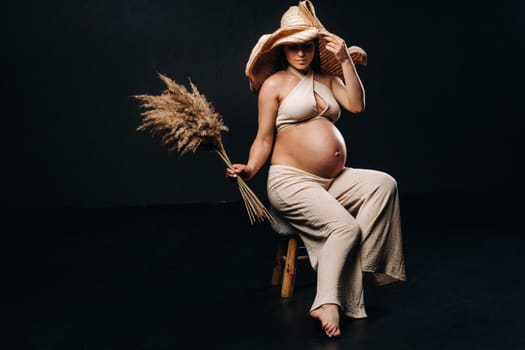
(316, 146)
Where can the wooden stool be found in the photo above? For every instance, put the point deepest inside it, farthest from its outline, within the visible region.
(288, 242)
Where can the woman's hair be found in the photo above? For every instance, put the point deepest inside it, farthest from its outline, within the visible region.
(316, 62)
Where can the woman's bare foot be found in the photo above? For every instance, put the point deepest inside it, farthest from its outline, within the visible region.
(328, 314)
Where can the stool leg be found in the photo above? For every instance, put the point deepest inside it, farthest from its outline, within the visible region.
(277, 274)
(290, 266)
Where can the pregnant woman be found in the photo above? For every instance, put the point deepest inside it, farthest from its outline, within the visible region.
(348, 218)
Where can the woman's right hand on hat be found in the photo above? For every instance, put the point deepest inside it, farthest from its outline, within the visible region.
(336, 45)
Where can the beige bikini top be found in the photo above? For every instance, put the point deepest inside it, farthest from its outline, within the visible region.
(300, 105)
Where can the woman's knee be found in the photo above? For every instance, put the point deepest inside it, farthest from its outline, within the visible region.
(390, 182)
(386, 184)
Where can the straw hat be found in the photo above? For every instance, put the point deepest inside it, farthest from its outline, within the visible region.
(298, 24)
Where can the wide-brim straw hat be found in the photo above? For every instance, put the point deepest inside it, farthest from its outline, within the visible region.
(298, 24)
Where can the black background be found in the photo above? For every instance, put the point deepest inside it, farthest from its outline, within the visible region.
(444, 95)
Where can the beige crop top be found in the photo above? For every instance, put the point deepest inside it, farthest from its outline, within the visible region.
(300, 105)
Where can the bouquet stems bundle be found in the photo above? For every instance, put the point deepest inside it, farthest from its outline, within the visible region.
(186, 121)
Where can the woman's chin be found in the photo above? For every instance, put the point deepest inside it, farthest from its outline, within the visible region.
(301, 66)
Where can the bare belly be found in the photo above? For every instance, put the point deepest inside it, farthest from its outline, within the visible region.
(315, 146)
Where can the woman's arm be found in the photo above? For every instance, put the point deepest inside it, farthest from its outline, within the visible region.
(351, 93)
(260, 150)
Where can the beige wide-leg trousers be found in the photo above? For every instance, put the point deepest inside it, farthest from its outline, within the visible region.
(350, 226)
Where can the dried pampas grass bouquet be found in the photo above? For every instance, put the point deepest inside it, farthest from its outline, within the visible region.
(186, 122)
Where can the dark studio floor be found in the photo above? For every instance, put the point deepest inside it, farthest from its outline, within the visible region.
(197, 276)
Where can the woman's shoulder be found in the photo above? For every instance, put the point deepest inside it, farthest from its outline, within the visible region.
(275, 81)
(276, 78)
